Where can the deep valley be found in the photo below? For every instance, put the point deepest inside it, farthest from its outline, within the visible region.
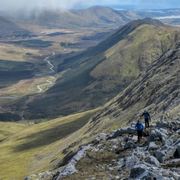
(74, 82)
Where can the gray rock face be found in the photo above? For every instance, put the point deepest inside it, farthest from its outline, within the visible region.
(152, 160)
(131, 161)
(153, 146)
(160, 156)
(158, 134)
(129, 145)
(138, 171)
(122, 131)
(145, 161)
(177, 152)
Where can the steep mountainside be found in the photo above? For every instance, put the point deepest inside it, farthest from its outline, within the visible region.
(157, 90)
(86, 81)
(91, 17)
(118, 155)
(10, 30)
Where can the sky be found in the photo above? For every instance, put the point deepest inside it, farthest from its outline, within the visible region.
(16, 5)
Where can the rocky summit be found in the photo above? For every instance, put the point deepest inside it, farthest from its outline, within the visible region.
(117, 155)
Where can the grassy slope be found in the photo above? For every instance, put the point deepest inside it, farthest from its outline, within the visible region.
(98, 74)
(156, 90)
(133, 54)
(15, 53)
(29, 149)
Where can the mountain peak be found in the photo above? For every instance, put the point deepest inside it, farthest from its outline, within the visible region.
(150, 21)
(136, 23)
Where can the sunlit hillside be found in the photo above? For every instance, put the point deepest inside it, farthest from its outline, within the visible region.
(31, 148)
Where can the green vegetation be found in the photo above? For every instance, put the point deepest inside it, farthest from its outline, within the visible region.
(26, 148)
(133, 54)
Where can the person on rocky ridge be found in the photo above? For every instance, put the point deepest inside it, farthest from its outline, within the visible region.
(147, 118)
(139, 128)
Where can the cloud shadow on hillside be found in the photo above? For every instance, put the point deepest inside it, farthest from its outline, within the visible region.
(52, 135)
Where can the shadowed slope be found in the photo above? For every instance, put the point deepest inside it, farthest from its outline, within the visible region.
(156, 90)
(10, 30)
(30, 148)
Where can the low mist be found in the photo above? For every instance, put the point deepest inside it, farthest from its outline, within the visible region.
(21, 6)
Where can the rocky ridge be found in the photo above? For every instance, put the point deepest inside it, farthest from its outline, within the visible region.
(117, 155)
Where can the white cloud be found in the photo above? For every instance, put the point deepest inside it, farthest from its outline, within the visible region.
(10, 5)
(16, 5)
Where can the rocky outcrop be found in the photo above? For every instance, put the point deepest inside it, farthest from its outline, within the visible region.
(117, 155)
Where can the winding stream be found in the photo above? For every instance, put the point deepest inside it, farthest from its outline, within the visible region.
(51, 68)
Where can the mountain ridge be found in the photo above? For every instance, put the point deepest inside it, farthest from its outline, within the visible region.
(87, 84)
(158, 98)
(91, 17)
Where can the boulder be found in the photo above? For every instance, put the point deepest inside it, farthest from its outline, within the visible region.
(121, 163)
(160, 156)
(46, 175)
(177, 152)
(171, 152)
(138, 171)
(152, 160)
(152, 146)
(143, 172)
(173, 163)
(101, 137)
(161, 124)
(131, 161)
(121, 132)
(130, 145)
(158, 134)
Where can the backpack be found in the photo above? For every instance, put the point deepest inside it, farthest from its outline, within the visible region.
(139, 127)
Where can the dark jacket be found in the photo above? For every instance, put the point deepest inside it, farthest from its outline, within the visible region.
(139, 126)
(146, 116)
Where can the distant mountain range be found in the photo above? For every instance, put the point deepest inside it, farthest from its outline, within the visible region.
(93, 77)
(93, 17)
(96, 16)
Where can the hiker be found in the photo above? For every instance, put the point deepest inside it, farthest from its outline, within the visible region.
(140, 128)
(147, 118)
